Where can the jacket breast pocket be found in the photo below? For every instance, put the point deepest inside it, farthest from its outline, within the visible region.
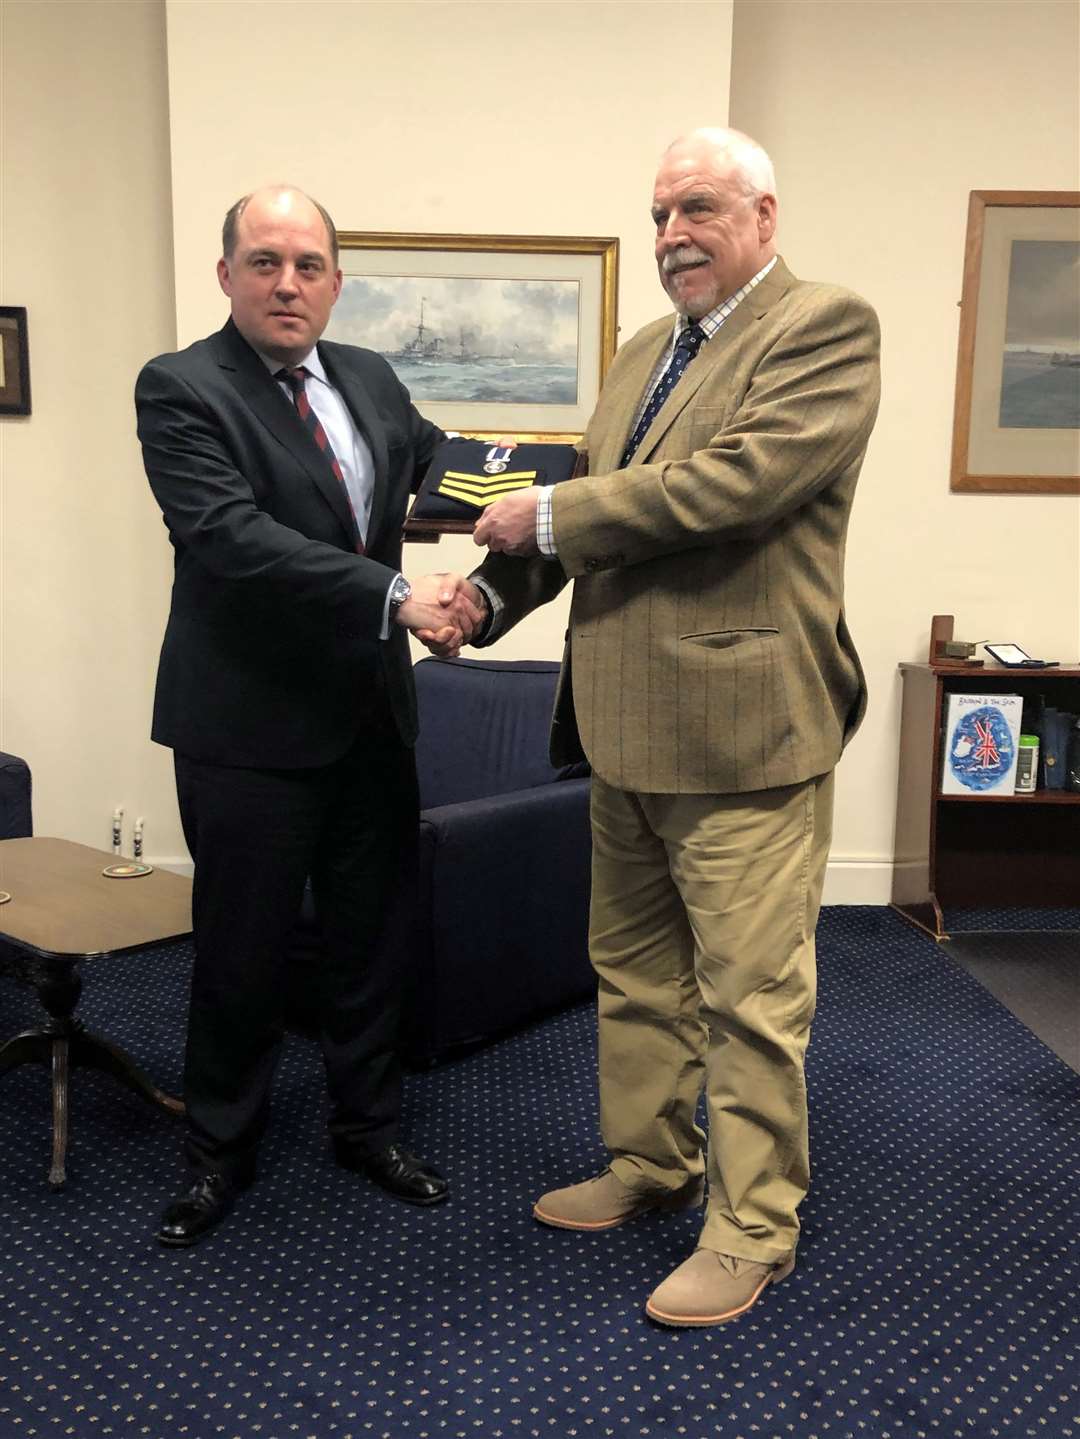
(729, 639)
(706, 422)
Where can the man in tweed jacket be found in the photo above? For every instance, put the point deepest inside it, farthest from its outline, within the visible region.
(711, 679)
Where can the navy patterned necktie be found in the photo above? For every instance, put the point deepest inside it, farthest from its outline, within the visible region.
(295, 379)
(686, 347)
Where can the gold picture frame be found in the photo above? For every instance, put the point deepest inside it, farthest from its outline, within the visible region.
(1018, 361)
(493, 335)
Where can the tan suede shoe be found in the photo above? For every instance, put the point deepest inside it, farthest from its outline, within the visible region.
(712, 1288)
(604, 1202)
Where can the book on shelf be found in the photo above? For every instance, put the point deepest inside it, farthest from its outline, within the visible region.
(981, 737)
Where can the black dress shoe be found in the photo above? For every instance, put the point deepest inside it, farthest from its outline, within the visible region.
(395, 1170)
(196, 1212)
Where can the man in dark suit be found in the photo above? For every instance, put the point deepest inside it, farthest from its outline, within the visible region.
(283, 468)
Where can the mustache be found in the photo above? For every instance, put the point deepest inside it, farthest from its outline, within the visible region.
(683, 259)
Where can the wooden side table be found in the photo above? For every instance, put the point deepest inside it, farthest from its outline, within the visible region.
(63, 911)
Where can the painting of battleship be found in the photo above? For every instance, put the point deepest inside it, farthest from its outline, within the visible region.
(1040, 377)
(468, 339)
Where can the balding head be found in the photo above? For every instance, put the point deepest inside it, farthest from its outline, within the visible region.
(284, 197)
(714, 208)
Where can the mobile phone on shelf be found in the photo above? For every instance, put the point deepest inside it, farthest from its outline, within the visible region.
(1016, 658)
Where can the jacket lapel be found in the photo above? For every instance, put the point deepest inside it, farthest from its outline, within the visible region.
(623, 395)
(366, 416)
(709, 358)
(263, 396)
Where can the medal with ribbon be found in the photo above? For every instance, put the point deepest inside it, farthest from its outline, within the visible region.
(497, 459)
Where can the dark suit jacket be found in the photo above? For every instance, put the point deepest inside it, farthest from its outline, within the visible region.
(271, 657)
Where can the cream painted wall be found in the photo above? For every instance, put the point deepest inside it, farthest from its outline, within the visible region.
(880, 118)
(537, 117)
(84, 563)
(528, 118)
(399, 116)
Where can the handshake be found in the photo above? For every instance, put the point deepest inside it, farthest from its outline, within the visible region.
(447, 610)
(444, 612)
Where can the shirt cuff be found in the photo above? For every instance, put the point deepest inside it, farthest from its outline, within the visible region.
(491, 630)
(545, 536)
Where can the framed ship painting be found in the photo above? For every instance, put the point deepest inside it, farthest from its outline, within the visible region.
(492, 335)
(1016, 426)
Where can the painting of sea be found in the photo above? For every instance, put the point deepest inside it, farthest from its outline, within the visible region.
(473, 339)
(1040, 381)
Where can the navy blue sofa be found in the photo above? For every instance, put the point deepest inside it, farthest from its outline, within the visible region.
(15, 798)
(500, 931)
(496, 934)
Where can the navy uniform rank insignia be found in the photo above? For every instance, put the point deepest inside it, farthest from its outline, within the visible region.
(465, 476)
(460, 485)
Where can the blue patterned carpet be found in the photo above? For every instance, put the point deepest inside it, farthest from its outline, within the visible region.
(962, 921)
(936, 1293)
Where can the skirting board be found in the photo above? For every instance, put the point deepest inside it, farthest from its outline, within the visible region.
(857, 881)
(847, 881)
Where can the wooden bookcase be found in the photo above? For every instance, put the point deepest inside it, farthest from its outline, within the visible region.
(1004, 852)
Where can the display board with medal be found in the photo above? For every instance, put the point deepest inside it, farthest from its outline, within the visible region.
(465, 476)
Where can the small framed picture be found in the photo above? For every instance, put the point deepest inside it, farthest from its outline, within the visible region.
(14, 361)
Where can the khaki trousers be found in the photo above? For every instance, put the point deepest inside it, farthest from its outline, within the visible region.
(702, 935)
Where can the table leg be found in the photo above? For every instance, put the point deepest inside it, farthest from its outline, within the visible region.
(65, 1045)
(42, 1047)
(57, 1177)
(67, 1051)
(93, 1052)
(33, 1046)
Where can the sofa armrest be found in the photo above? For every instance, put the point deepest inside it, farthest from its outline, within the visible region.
(500, 933)
(15, 798)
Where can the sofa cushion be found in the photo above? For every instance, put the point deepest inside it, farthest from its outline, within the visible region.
(15, 798)
(484, 728)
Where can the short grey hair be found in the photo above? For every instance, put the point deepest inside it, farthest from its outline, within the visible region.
(752, 165)
(232, 220)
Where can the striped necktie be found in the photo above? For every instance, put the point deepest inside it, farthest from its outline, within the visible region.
(687, 345)
(295, 379)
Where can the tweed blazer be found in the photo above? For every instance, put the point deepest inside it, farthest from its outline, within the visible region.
(707, 650)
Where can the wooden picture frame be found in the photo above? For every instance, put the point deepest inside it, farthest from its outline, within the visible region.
(493, 335)
(14, 361)
(1018, 362)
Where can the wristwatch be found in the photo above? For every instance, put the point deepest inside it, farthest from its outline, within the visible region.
(400, 591)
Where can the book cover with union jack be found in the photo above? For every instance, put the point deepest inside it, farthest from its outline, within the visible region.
(979, 753)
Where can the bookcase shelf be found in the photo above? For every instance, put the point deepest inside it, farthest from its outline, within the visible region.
(1003, 852)
(1045, 796)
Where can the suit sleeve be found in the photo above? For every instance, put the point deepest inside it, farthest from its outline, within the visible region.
(521, 586)
(806, 415)
(424, 437)
(212, 511)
